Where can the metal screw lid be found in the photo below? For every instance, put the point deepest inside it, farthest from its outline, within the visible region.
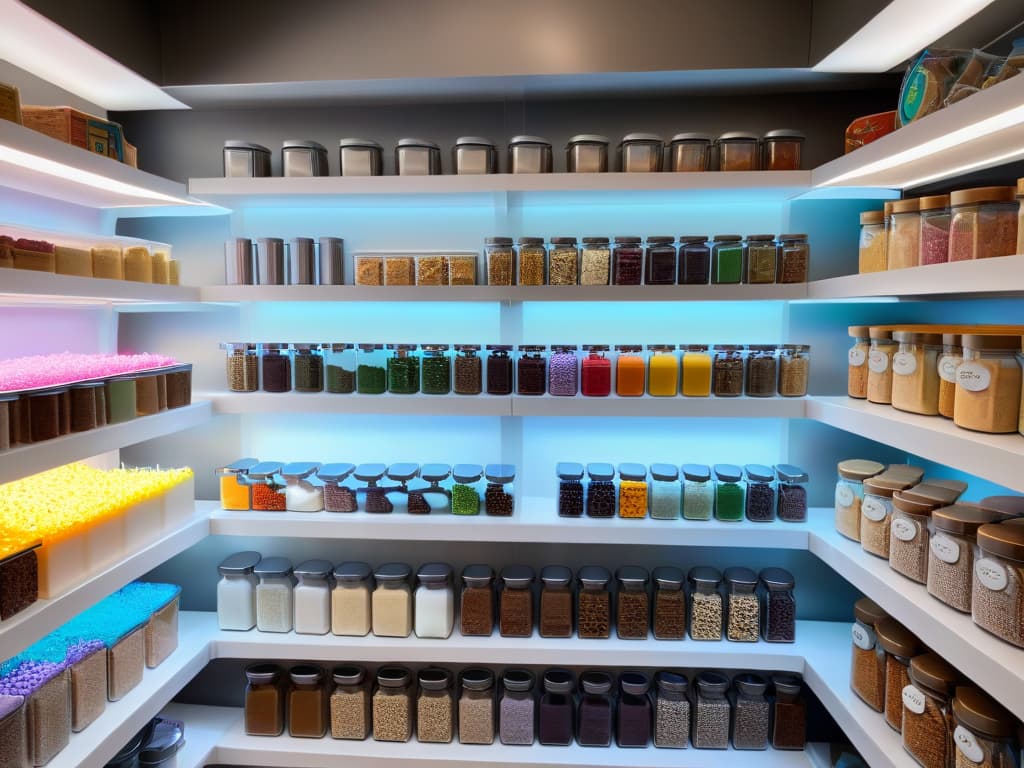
(306, 674)
(240, 562)
(660, 239)
(351, 572)
(477, 679)
(477, 575)
(434, 679)
(524, 139)
(556, 575)
(348, 675)
(671, 682)
(261, 674)
(596, 683)
(785, 133)
(517, 576)
(303, 144)
(692, 136)
(644, 137)
(498, 241)
(738, 136)
(531, 241)
(558, 681)
(635, 683)
(236, 144)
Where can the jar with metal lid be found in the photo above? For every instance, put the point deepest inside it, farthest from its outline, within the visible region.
(988, 384)
(596, 371)
(600, 490)
(563, 262)
(792, 493)
(556, 601)
(743, 612)
(738, 151)
(515, 605)
(662, 370)
(729, 492)
(671, 711)
(276, 364)
(242, 367)
(312, 597)
(872, 245)
(641, 153)
(350, 703)
(794, 369)
(274, 612)
(697, 370)
(271, 262)
(867, 670)
(351, 600)
(781, 150)
(338, 497)
(698, 492)
(243, 159)
(499, 369)
(794, 259)
(359, 157)
(727, 259)
(751, 712)
(850, 494)
(880, 357)
(596, 711)
(689, 152)
(779, 617)
(949, 360)
(403, 369)
(632, 490)
(531, 370)
(587, 153)
(627, 261)
(476, 706)
(789, 713)
(952, 551)
(517, 709)
(391, 605)
(437, 369)
(563, 371)
(876, 509)
(500, 260)
(983, 223)
(417, 157)
(303, 158)
(857, 362)
(341, 362)
(235, 493)
(915, 372)
(267, 486)
(762, 370)
(473, 155)
(393, 705)
(727, 370)
(468, 489)
(532, 260)
(904, 246)
(630, 370)
(593, 603)
(665, 493)
(694, 261)
(934, 230)
(706, 610)
(570, 489)
(997, 601)
(434, 601)
(264, 700)
(308, 702)
(899, 646)
(984, 732)
(529, 154)
(927, 714)
(236, 592)
(371, 373)
(669, 603)
(596, 260)
(477, 601)
(435, 706)
(760, 501)
(633, 607)
(375, 496)
(303, 491)
(499, 497)
(432, 269)
(557, 709)
(760, 257)
(659, 261)
(712, 712)
(634, 710)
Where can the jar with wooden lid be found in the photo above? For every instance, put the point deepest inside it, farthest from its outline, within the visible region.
(949, 360)
(760, 258)
(880, 365)
(900, 646)
(660, 260)
(983, 223)
(850, 494)
(988, 385)
(952, 551)
(904, 246)
(556, 601)
(499, 369)
(694, 262)
(872, 246)
(984, 731)
(915, 372)
(927, 714)
(997, 600)
(908, 533)
(627, 261)
(264, 700)
(593, 603)
(308, 702)
(934, 230)
(867, 670)
(857, 361)
(876, 508)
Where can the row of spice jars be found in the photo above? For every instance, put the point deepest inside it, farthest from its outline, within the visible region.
(727, 492)
(308, 486)
(970, 374)
(135, 263)
(943, 720)
(475, 705)
(43, 414)
(695, 370)
(968, 224)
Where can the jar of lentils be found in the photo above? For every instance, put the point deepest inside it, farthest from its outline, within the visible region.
(712, 712)
(927, 714)
(706, 612)
(984, 730)
(468, 367)
(563, 261)
(743, 615)
(499, 369)
(435, 706)
(952, 551)
(867, 671)
(900, 646)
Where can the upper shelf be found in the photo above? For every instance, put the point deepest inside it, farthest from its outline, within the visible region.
(44, 287)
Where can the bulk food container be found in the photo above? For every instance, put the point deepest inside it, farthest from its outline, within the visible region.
(274, 611)
(499, 369)
(529, 154)
(468, 375)
(375, 496)
(660, 260)
(698, 492)
(417, 157)
(912, 509)
(781, 150)
(243, 159)
(641, 153)
(350, 703)
(792, 493)
(350, 599)
(760, 501)
(664, 492)
(500, 260)
(275, 367)
(871, 250)
(556, 599)
(760, 258)
(393, 705)
(778, 621)
(517, 708)
(857, 362)
(762, 370)
(915, 372)
(499, 496)
(727, 259)
(712, 712)
(532, 261)
(359, 157)
(669, 622)
(627, 261)
(689, 152)
(997, 602)
(371, 372)
(271, 263)
(983, 223)
(595, 371)
(435, 706)
(515, 601)
(570, 489)
(265, 691)
(476, 706)
(587, 153)
(600, 490)
(953, 551)
(473, 155)
(737, 151)
(988, 384)
(267, 486)
(729, 492)
(595, 261)
(880, 357)
(19, 580)
(236, 592)
(303, 158)
(927, 715)
(694, 261)
(161, 632)
(432, 269)
(557, 709)
(706, 611)
(341, 362)
(78, 262)
(633, 604)
(434, 601)
(935, 219)
(403, 369)
(899, 646)
(596, 710)
(14, 730)
(308, 702)
(476, 610)
(950, 358)
(743, 609)
(531, 369)
(468, 490)
(789, 713)
(391, 606)
(984, 732)
(867, 670)
(312, 597)
(633, 715)
(904, 244)
(751, 712)
(563, 262)
(876, 506)
(369, 269)
(593, 603)
(632, 490)
(437, 369)
(794, 259)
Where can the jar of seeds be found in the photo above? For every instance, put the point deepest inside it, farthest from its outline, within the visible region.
(789, 713)
(759, 259)
(499, 369)
(751, 712)
(633, 612)
(794, 369)
(242, 367)
(857, 362)
(570, 489)
(908, 534)
(468, 378)
(952, 551)
(500, 262)
(627, 261)
(671, 711)
(517, 709)
(437, 369)
(669, 603)
(593, 606)
(531, 370)
(792, 493)
(743, 615)
(596, 711)
(515, 612)
(403, 369)
(984, 730)
(900, 646)
(596, 261)
(393, 705)
(779, 624)
(760, 505)
(499, 496)
(698, 492)
(729, 493)
(634, 710)
(563, 261)
(468, 489)
(867, 675)
(341, 363)
(435, 706)
(706, 612)
(997, 603)
(927, 713)
(632, 490)
(850, 494)
(532, 260)
(727, 370)
(371, 374)
(556, 600)
(665, 494)
(477, 606)
(876, 510)
(308, 367)
(762, 370)
(712, 712)
(600, 490)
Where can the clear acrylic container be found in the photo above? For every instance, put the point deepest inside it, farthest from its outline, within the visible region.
(595, 371)
(369, 269)
(669, 622)
(698, 492)
(436, 369)
(850, 494)
(762, 370)
(500, 260)
(600, 490)
(393, 705)
(792, 493)
(627, 261)
(983, 223)
(312, 597)
(570, 489)
(697, 370)
(953, 550)
(432, 269)
(997, 603)
(927, 713)
(564, 261)
(872, 245)
(915, 372)
(689, 152)
(904, 246)
(350, 704)
(857, 362)
(984, 733)
(462, 269)
(738, 151)
(391, 602)
(371, 373)
(595, 261)
(671, 711)
(308, 368)
(563, 371)
(949, 360)
(593, 603)
(468, 377)
(235, 493)
(476, 611)
(375, 496)
(499, 494)
(729, 492)
(556, 600)
(468, 490)
(403, 369)
(303, 491)
(434, 601)
(499, 369)
(880, 366)
(706, 609)
(515, 601)
(633, 723)
(665, 493)
(531, 370)
(899, 646)
(934, 230)
(267, 486)
(781, 150)
(596, 710)
(338, 496)
(517, 708)
(641, 153)
(351, 599)
(274, 595)
(633, 603)
(400, 270)
(341, 361)
(532, 261)
(988, 385)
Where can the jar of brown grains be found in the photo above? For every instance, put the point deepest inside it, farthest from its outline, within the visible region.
(633, 611)
(669, 603)
(593, 607)
(949, 360)
(880, 365)
(556, 602)
(952, 551)
(927, 715)
(983, 735)
(515, 613)
(900, 646)
(908, 534)
(477, 610)
(867, 672)
(706, 612)
(350, 703)
(997, 602)
(876, 507)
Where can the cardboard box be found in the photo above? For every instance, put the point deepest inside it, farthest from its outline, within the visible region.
(10, 103)
(77, 128)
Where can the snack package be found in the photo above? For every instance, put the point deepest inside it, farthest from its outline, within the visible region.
(866, 129)
(928, 82)
(978, 67)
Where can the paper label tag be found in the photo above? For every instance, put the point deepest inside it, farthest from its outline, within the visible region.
(913, 699)
(973, 377)
(878, 362)
(968, 745)
(948, 366)
(903, 529)
(844, 495)
(945, 548)
(857, 357)
(904, 363)
(991, 574)
(875, 508)
(863, 637)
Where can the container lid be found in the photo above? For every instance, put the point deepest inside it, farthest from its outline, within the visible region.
(661, 347)
(859, 331)
(556, 575)
(517, 576)
(913, 337)
(302, 144)
(692, 239)
(364, 143)
(596, 240)
(517, 680)
(629, 471)
(434, 573)
(964, 519)
(910, 205)
(558, 681)
(740, 576)
(793, 236)
(759, 238)
(712, 682)
(50, 392)
(728, 473)
(697, 473)
(738, 136)
(983, 195)
(979, 342)
(930, 671)
(467, 473)
(672, 682)
(692, 136)
(500, 473)
(724, 238)
(790, 473)
(435, 473)
(1008, 505)
(240, 562)
(595, 347)
(316, 568)
(352, 571)
(349, 675)
(273, 566)
(265, 469)
(10, 397)
(370, 347)
(85, 385)
(629, 137)
(393, 677)
(498, 241)
(236, 144)
(872, 217)
(635, 683)
(629, 347)
(887, 209)
(666, 473)
(392, 572)
(261, 674)
(627, 239)
(297, 470)
(885, 485)
(563, 241)
(593, 576)
(668, 577)
(1005, 540)
(940, 492)
(569, 470)
(126, 756)
(750, 684)
(913, 506)
(777, 578)
(305, 674)
(867, 611)
(600, 471)
(335, 473)
(706, 575)
(934, 202)
(235, 467)
(467, 347)
(414, 142)
(660, 239)
(859, 469)
(524, 139)
(370, 472)
(477, 679)
(897, 639)
(477, 575)
(403, 471)
(532, 347)
(759, 472)
(463, 141)
(977, 712)
(167, 738)
(785, 133)
(952, 339)
(588, 138)
(531, 241)
(436, 347)
(596, 683)
(434, 679)
(880, 334)
(632, 577)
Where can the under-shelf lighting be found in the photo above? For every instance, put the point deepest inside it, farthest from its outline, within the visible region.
(897, 32)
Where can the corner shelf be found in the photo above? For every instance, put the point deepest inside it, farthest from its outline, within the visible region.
(1002, 276)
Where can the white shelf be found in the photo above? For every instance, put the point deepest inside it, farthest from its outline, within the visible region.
(43, 287)
(1003, 276)
(204, 728)
(998, 458)
(689, 407)
(25, 460)
(44, 616)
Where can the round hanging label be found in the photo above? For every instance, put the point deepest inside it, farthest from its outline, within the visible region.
(904, 363)
(968, 745)
(948, 366)
(857, 357)
(973, 377)
(903, 529)
(877, 361)
(874, 508)
(913, 699)
(844, 495)
(945, 548)
(990, 573)
(863, 637)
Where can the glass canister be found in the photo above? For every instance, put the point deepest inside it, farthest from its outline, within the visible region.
(633, 606)
(375, 496)
(597, 710)
(872, 247)
(422, 501)
(743, 612)
(264, 700)
(308, 368)
(630, 370)
(417, 157)
(462, 269)
(500, 262)
(517, 711)
(371, 373)
(899, 646)
(794, 369)
(689, 152)
(437, 369)
(794, 259)
(984, 732)
(876, 509)
(338, 497)
(698, 492)
(563, 371)
(468, 376)
(308, 702)
(669, 603)
(671, 711)
(434, 601)
(880, 357)
(694, 260)
(393, 705)
(927, 715)
(242, 367)
(727, 370)
(570, 489)
(727, 259)
(751, 712)
(391, 604)
(850, 494)
(712, 713)
(792, 493)
(499, 499)
(904, 246)
(341, 363)
(915, 372)
(697, 370)
(988, 385)
(762, 370)
(634, 710)
(997, 602)
(600, 490)
(781, 150)
(403, 369)
(477, 602)
(350, 704)
(556, 601)
(529, 154)
(532, 260)
(435, 706)
(563, 262)
(737, 151)
(949, 360)
(303, 491)
(595, 261)
(908, 534)
(779, 616)
(351, 599)
(593, 603)
(235, 493)
(952, 551)
(760, 502)
(312, 597)
(276, 365)
(587, 153)
(627, 261)
(432, 269)
(857, 362)
(729, 493)
(789, 713)
(664, 492)
(662, 370)
(236, 592)
(369, 269)
(267, 486)
(596, 379)
(632, 490)
(641, 153)
(531, 370)
(467, 490)
(706, 610)
(934, 230)
(399, 270)
(867, 669)
(515, 603)
(474, 155)
(760, 258)
(660, 260)
(557, 709)
(499, 369)
(274, 612)
(983, 223)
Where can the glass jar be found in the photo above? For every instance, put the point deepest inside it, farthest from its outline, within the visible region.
(337, 496)
(983, 223)
(984, 732)
(532, 260)
(403, 369)
(312, 597)
(751, 712)
(587, 153)
(706, 613)
(303, 492)
(468, 369)
(927, 715)
(949, 360)
(517, 710)
(915, 372)
(760, 502)
(633, 607)
(267, 486)
(641, 153)
(908, 534)
(359, 157)
(563, 261)
(515, 609)
(595, 261)
(934, 230)
(792, 493)
(391, 605)
(369, 269)
(952, 551)
(727, 370)
(794, 259)
(737, 151)
(432, 269)
(235, 493)
(308, 702)
(467, 490)
(264, 700)
(474, 155)
(630, 370)
(712, 712)
(789, 713)
(462, 269)
(556, 601)
(276, 367)
(437, 369)
(697, 370)
(689, 152)
(499, 499)
(781, 150)
(662, 370)
(729, 493)
(308, 368)
(880, 357)
(857, 359)
(872, 248)
(694, 260)
(570, 489)
(600, 490)
(350, 600)
(499, 369)
(393, 705)
(988, 385)
(634, 710)
(476, 706)
(477, 603)
(371, 374)
(850, 494)
(876, 511)
(779, 619)
(904, 246)
(794, 369)
(671, 711)
(434, 601)
(996, 603)
(236, 592)
(632, 491)
(274, 610)
(529, 154)
(627, 261)
(531, 370)
(435, 706)
(596, 379)
(563, 371)
(557, 709)
(899, 646)
(867, 668)
(760, 256)
(762, 370)
(350, 704)
(698, 492)
(665, 494)
(422, 501)
(340, 360)
(375, 496)
(669, 603)
(593, 603)
(44, 407)
(242, 367)
(743, 612)
(727, 259)
(500, 262)
(596, 711)
(660, 260)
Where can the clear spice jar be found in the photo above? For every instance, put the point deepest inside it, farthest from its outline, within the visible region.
(499, 369)
(436, 369)
(737, 151)
(351, 600)
(474, 155)
(532, 260)
(934, 230)
(435, 707)
(743, 612)
(276, 367)
(633, 606)
(403, 369)
(570, 489)
(789, 713)
(794, 369)
(596, 261)
(850, 494)
(794, 259)
(671, 711)
(694, 260)
(462, 269)
(867, 668)
(781, 150)
(308, 702)
(627, 261)
(350, 704)
(727, 259)
(751, 712)
(664, 492)
(556, 601)
(600, 490)
(393, 705)
(949, 360)
(712, 712)
(369, 269)
(997, 602)
(876, 510)
(632, 490)
(515, 604)
(563, 371)
(662, 370)
(779, 616)
(264, 700)
(762, 370)
(641, 153)
(706, 610)
(236, 592)
(880, 357)
(303, 491)
(557, 709)
(476, 706)
(630, 370)
(477, 602)
(338, 497)
(417, 157)
(312, 597)
(371, 373)
(689, 152)
(760, 501)
(242, 366)
(899, 646)
(340, 361)
(984, 732)
(792, 493)
(517, 710)
(499, 498)
(375, 496)
(697, 370)
(872, 246)
(727, 370)
(593, 603)
(587, 153)
(529, 154)
(983, 223)
(904, 246)
(660, 260)
(988, 385)
(596, 371)
(760, 258)
(953, 550)
(857, 362)
(468, 370)
(531, 370)
(235, 493)
(669, 603)
(633, 718)
(274, 611)
(500, 260)
(467, 490)
(563, 261)
(391, 604)
(729, 493)
(698, 492)
(267, 486)
(596, 711)
(915, 373)
(434, 601)
(927, 713)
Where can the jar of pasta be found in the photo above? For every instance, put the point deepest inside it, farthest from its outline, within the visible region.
(500, 262)
(997, 602)
(880, 365)
(915, 372)
(949, 360)
(760, 256)
(872, 242)
(867, 669)
(563, 261)
(952, 551)
(904, 234)
(794, 369)
(900, 646)
(988, 384)
(984, 732)
(983, 223)
(927, 718)
(857, 362)
(934, 230)
(850, 494)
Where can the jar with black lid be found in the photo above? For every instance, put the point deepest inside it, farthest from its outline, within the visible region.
(694, 260)
(627, 261)
(499, 369)
(660, 260)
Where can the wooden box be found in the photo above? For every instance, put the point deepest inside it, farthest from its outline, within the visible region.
(10, 103)
(77, 128)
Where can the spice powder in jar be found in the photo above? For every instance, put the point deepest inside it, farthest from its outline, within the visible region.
(876, 510)
(593, 603)
(850, 494)
(515, 613)
(927, 716)
(867, 674)
(871, 257)
(983, 223)
(904, 246)
(949, 360)
(952, 551)
(880, 365)
(988, 384)
(556, 602)
(857, 362)
(900, 646)
(915, 372)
